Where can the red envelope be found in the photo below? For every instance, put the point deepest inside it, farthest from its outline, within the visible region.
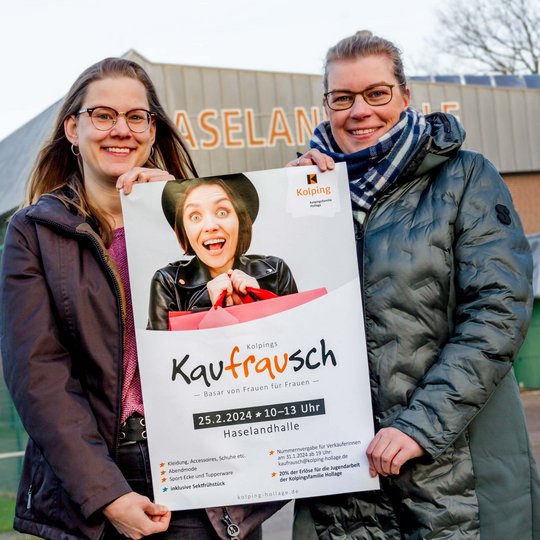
(218, 316)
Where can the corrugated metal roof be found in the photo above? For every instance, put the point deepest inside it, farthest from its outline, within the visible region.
(17, 154)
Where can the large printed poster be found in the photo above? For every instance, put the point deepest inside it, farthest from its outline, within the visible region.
(250, 399)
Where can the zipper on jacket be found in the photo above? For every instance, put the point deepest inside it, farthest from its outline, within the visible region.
(387, 192)
(233, 530)
(29, 499)
(121, 312)
(74, 232)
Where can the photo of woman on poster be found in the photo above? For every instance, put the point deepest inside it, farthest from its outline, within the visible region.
(212, 219)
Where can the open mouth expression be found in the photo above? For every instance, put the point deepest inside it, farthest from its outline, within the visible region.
(212, 227)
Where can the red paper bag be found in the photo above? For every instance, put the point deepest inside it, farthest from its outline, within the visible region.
(192, 318)
(219, 316)
(253, 294)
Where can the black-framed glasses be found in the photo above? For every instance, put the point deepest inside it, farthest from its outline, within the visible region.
(374, 95)
(105, 118)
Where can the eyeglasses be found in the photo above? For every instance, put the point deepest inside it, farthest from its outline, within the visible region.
(376, 95)
(105, 118)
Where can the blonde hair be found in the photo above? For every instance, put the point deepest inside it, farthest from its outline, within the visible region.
(362, 44)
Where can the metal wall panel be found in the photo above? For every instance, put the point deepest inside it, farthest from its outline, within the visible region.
(469, 107)
(248, 82)
(487, 118)
(502, 123)
(249, 99)
(267, 95)
(519, 119)
(532, 127)
(505, 135)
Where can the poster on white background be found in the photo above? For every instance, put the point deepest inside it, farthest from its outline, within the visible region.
(249, 399)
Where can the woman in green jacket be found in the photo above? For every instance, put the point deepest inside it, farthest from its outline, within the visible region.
(446, 274)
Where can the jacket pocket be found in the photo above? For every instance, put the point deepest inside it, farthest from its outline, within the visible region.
(43, 502)
(446, 484)
(38, 489)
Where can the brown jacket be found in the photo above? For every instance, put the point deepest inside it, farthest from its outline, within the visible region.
(62, 321)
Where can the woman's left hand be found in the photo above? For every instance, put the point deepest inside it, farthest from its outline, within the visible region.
(141, 175)
(136, 516)
(389, 450)
(240, 281)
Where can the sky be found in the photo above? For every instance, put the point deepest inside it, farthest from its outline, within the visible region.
(46, 44)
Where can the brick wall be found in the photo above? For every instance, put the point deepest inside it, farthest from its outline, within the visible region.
(525, 189)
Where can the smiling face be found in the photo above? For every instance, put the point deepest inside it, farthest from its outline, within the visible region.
(363, 125)
(108, 154)
(212, 227)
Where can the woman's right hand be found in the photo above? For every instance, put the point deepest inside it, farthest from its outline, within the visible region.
(240, 282)
(141, 175)
(235, 282)
(216, 287)
(135, 516)
(313, 157)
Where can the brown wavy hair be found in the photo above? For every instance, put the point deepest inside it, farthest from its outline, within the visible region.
(57, 168)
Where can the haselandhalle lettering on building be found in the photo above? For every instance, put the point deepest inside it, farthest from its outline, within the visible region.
(245, 128)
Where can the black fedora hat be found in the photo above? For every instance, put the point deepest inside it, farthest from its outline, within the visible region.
(239, 184)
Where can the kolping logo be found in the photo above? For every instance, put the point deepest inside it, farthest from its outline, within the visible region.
(314, 189)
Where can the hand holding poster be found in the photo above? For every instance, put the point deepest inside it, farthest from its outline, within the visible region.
(276, 406)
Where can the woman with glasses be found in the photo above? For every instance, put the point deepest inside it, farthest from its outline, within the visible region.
(446, 274)
(67, 332)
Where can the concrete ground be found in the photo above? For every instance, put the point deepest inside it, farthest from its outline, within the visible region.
(278, 528)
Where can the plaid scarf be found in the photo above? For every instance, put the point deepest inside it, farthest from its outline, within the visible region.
(375, 168)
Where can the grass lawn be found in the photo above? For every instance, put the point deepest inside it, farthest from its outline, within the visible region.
(12, 439)
(7, 511)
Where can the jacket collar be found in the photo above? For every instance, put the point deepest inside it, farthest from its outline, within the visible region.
(52, 210)
(444, 137)
(194, 274)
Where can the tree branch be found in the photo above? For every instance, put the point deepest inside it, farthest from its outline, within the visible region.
(501, 35)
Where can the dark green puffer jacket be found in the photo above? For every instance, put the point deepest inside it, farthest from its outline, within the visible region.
(446, 280)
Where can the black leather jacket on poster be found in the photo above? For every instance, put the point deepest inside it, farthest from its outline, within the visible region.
(181, 286)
